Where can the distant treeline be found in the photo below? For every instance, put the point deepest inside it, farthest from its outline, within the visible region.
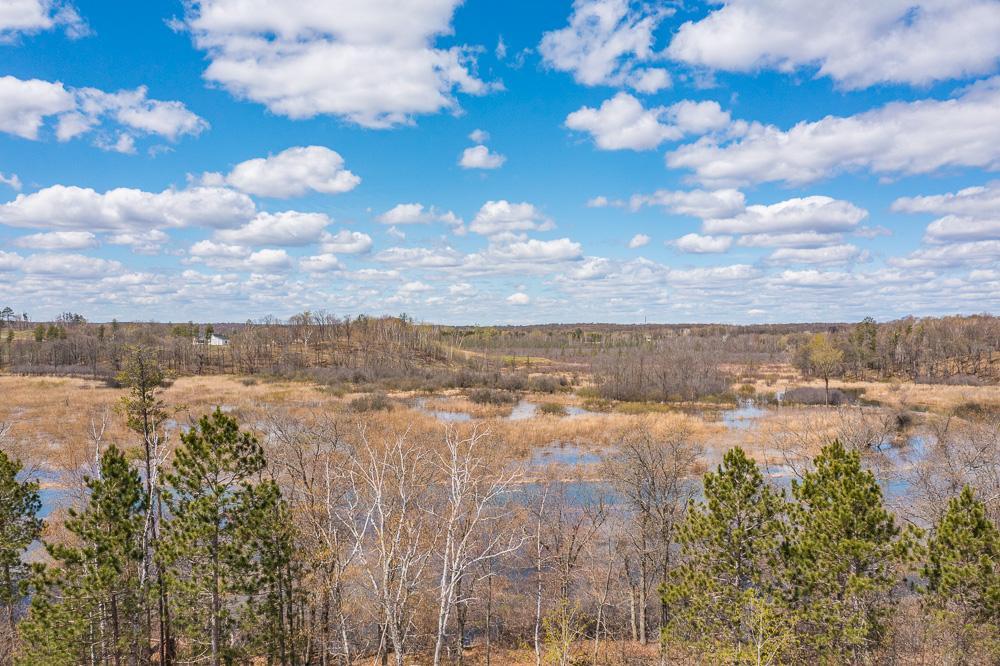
(658, 362)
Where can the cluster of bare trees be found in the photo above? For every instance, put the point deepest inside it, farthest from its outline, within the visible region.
(928, 349)
(662, 374)
(360, 348)
(427, 542)
(396, 532)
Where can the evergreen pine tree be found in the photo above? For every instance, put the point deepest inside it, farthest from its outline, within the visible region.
(963, 570)
(720, 598)
(145, 414)
(87, 608)
(272, 536)
(215, 545)
(19, 526)
(844, 555)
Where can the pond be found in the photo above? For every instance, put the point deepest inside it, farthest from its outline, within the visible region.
(440, 414)
(743, 417)
(523, 410)
(569, 455)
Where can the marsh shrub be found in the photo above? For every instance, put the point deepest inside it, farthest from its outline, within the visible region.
(492, 397)
(546, 384)
(810, 395)
(373, 402)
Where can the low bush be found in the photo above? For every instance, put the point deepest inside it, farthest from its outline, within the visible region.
(974, 410)
(492, 397)
(373, 402)
(811, 395)
(544, 384)
(552, 409)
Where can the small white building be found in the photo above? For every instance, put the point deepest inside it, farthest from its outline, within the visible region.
(213, 340)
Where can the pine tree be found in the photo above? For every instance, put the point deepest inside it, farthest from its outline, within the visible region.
(215, 546)
(720, 597)
(19, 526)
(844, 555)
(963, 570)
(281, 635)
(87, 608)
(145, 414)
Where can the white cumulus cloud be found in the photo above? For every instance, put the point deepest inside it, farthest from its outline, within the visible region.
(58, 240)
(293, 172)
(346, 242)
(375, 63)
(799, 214)
(639, 240)
(321, 263)
(833, 254)
(606, 43)
(480, 157)
(623, 123)
(417, 213)
(25, 105)
(699, 244)
(287, 228)
(697, 203)
(855, 42)
(32, 16)
(497, 217)
(126, 209)
(898, 138)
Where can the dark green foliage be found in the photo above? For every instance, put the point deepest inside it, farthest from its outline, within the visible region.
(88, 607)
(844, 555)
(19, 526)
(805, 581)
(721, 598)
(963, 560)
(225, 562)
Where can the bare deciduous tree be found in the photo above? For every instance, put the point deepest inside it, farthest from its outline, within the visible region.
(471, 521)
(387, 513)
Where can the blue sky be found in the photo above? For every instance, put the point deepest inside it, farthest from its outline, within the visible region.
(515, 162)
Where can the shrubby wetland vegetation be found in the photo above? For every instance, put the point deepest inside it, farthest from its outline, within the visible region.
(370, 490)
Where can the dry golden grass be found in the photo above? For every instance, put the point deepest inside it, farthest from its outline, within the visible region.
(935, 397)
(940, 398)
(51, 418)
(594, 430)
